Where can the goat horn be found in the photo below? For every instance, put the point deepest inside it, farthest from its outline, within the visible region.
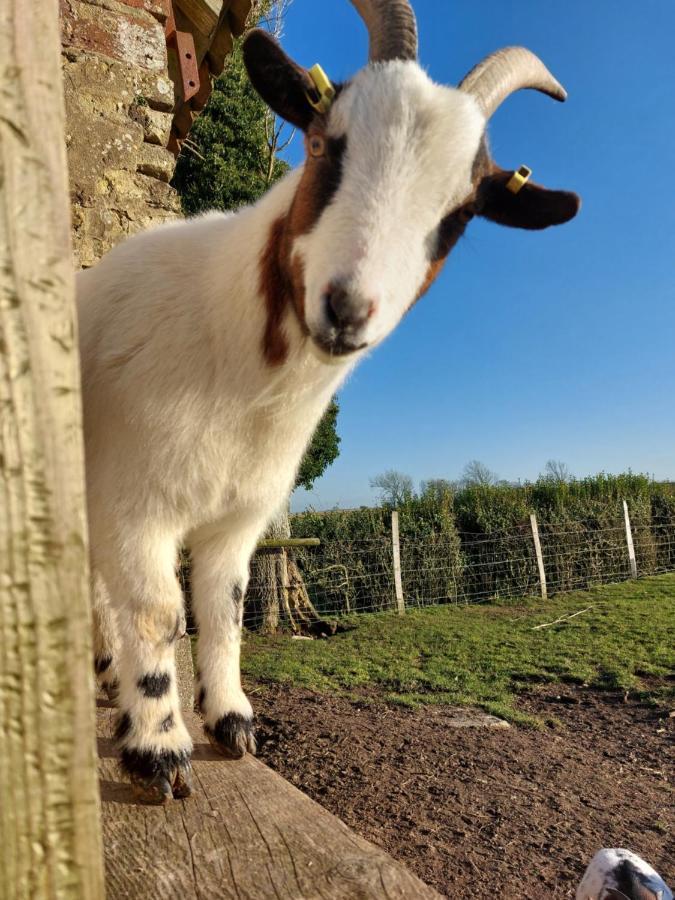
(506, 71)
(392, 28)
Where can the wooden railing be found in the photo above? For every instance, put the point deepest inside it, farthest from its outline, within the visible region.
(50, 839)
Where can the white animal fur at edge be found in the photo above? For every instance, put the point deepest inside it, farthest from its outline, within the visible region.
(600, 876)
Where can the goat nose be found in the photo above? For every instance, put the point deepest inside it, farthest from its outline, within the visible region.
(345, 308)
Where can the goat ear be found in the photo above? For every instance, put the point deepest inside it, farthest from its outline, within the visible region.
(281, 83)
(533, 207)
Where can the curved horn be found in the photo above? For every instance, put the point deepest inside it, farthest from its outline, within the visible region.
(506, 71)
(392, 28)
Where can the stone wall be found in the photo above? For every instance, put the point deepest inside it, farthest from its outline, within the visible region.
(119, 102)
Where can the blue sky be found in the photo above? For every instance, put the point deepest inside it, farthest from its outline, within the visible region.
(531, 346)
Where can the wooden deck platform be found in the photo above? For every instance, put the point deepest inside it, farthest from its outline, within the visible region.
(245, 834)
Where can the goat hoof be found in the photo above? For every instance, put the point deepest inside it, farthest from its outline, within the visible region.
(182, 784)
(157, 776)
(232, 736)
(156, 793)
(160, 789)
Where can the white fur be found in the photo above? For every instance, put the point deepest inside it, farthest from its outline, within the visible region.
(190, 435)
(600, 875)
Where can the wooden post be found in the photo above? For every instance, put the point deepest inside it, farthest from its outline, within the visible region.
(396, 551)
(287, 543)
(50, 844)
(629, 542)
(540, 558)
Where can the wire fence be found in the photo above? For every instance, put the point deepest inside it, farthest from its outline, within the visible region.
(346, 577)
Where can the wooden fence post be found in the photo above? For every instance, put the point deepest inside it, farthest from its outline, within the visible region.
(540, 558)
(50, 839)
(629, 541)
(396, 551)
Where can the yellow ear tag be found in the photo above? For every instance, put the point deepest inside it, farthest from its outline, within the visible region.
(321, 98)
(519, 179)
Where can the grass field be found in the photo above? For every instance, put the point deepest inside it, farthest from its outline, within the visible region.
(485, 655)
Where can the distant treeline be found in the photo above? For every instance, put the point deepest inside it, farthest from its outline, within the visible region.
(475, 542)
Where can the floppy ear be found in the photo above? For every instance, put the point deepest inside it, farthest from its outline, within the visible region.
(281, 83)
(533, 207)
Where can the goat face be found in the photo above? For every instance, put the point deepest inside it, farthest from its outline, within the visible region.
(396, 167)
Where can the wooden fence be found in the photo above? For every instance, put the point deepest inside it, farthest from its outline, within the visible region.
(50, 843)
(403, 570)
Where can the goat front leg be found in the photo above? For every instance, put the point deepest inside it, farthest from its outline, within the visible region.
(106, 643)
(154, 744)
(219, 577)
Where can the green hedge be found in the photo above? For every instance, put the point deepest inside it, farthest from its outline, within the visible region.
(476, 543)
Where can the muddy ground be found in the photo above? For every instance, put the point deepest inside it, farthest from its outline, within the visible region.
(512, 813)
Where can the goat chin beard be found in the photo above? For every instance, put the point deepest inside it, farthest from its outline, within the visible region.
(333, 359)
(329, 359)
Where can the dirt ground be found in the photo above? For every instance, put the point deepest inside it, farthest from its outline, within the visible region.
(512, 813)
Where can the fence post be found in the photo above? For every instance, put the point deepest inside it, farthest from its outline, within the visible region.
(629, 542)
(50, 836)
(540, 558)
(396, 550)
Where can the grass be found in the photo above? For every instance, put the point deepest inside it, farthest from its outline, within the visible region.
(485, 655)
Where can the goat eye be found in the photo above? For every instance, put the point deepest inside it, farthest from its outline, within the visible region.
(317, 145)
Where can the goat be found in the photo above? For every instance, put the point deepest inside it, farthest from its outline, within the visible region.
(211, 347)
(621, 875)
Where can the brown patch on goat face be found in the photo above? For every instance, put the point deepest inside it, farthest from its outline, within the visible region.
(433, 272)
(282, 275)
(454, 224)
(275, 290)
(297, 277)
(449, 232)
(319, 183)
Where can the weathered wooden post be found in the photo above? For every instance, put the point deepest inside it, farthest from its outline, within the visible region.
(629, 542)
(50, 843)
(539, 555)
(396, 552)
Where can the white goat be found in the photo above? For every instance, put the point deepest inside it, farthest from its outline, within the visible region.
(211, 347)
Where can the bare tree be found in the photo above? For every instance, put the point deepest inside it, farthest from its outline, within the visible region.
(278, 133)
(558, 471)
(477, 474)
(437, 488)
(393, 487)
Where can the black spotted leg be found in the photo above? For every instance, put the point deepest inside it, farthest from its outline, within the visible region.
(219, 578)
(154, 744)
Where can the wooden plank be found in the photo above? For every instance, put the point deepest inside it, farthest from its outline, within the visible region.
(629, 542)
(200, 99)
(202, 41)
(396, 551)
(244, 834)
(287, 543)
(203, 14)
(49, 829)
(221, 47)
(237, 15)
(540, 558)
